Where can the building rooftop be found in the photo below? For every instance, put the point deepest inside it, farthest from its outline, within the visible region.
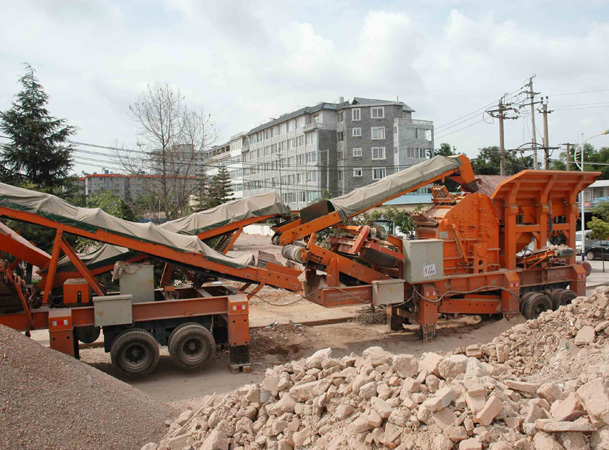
(600, 183)
(329, 106)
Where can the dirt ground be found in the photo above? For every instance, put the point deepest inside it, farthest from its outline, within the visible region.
(282, 343)
(287, 340)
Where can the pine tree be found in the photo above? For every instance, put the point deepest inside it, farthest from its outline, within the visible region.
(38, 152)
(220, 188)
(202, 198)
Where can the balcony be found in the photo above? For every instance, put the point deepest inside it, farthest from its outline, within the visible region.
(316, 126)
(425, 123)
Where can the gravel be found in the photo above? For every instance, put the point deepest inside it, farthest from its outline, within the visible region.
(49, 400)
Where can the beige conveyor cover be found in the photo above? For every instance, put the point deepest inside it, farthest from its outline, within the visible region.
(391, 186)
(266, 204)
(94, 219)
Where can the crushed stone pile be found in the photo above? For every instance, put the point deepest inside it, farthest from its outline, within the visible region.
(538, 386)
(49, 400)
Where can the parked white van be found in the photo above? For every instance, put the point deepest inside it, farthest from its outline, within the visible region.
(578, 240)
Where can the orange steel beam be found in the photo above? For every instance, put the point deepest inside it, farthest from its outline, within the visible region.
(17, 283)
(293, 231)
(344, 265)
(53, 264)
(81, 267)
(197, 260)
(14, 244)
(168, 309)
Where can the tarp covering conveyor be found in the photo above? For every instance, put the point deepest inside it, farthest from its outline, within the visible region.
(366, 197)
(94, 219)
(266, 204)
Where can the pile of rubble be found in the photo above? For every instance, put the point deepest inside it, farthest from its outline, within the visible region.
(49, 400)
(509, 394)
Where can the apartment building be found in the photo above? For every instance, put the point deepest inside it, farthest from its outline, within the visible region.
(332, 146)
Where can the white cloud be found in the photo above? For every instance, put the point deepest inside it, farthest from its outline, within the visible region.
(245, 62)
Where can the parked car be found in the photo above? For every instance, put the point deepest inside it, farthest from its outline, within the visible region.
(598, 250)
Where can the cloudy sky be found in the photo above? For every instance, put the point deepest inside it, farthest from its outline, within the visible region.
(247, 61)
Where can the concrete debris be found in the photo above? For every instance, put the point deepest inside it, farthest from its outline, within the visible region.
(539, 385)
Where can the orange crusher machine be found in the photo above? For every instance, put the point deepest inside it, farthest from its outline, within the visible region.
(470, 255)
(74, 306)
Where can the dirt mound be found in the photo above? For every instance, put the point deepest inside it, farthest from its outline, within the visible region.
(540, 385)
(50, 401)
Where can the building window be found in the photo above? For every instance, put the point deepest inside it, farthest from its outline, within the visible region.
(339, 175)
(378, 132)
(356, 132)
(357, 172)
(341, 116)
(340, 136)
(312, 177)
(340, 155)
(356, 114)
(377, 112)
(378, 152)
(300, 141)
(311, 157)
(379, 173)
(316, 118)
(357, 152)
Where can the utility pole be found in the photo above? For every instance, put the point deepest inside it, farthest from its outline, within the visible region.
(568, 154)
(533, 139)
(546, 142)
(499, 113)
(501, 140)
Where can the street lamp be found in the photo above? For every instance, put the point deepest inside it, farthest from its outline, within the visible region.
(582, 213)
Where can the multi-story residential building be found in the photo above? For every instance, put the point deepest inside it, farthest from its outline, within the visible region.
(332, 146)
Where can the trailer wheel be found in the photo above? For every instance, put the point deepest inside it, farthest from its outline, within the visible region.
(190, 345)
(536, 304)
(562, 297)
(135, 352)
(87, 335)
(523, 300)
(591, 256)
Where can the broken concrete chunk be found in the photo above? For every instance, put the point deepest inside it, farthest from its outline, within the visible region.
(381, 407)
(316, 360)
(429, 363)
(473, 351)
(470, 444)
(521, 386)
(554, 426)
(492, 407)
(406, 365)
(215, 441)
(572, 440)
(550, 392)
(585, 336)
(456, 434)
(441, 442)
(452, 366)
(444, 418)
(568, 409)
(595, 398)
(377, 356)
(543, 441)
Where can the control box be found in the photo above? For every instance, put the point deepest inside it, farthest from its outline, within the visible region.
(76, 291)
(137, 280)
(424, 260)
(387, 292)
(113, 310)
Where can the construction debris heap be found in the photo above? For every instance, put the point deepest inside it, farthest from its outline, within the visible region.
(49, 400)
(539, 385)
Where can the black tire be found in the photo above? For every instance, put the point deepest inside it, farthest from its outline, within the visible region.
(536, 304)
(87, 335)
(591, 256)
(135, 353)
(523, 300)
(191, 345)
(566, 297)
